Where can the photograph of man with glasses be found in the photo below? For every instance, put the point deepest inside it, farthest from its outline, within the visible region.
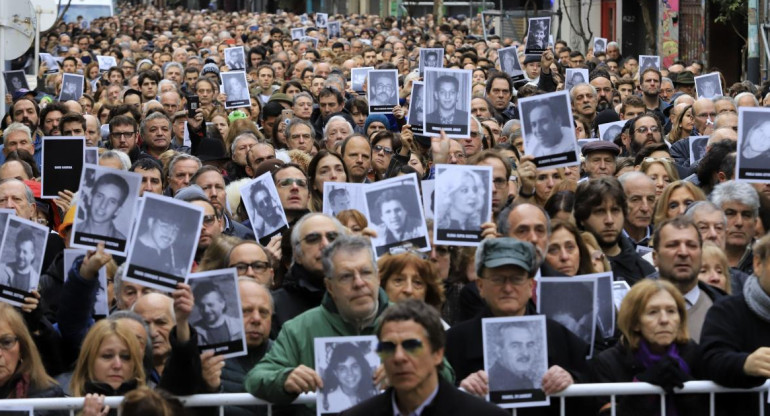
(265, 206)
(383, 90)
(447, 102)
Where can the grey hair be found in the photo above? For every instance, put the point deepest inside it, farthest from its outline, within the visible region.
(745, 94)
(14, 127)
(179, 157)
(27, 190)
(154, 116)
(573, 93)
(478, 126)
(295, 237)
(125, 161)
(335, 79)
(299, 122)
(732, 191)
(166, 82)
(613, 43)
(245, 135)
(338, 118)
(666, 79)
(706, 206)
(719, 98)
(173, 64)
(267, 290)
(346, 244)
(302, 94)
(629, 176)
(503, 226)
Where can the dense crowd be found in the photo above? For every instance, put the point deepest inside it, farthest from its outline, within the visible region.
(688, 239)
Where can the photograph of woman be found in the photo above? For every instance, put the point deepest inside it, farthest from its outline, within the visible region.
(346, 370)
(463, 203)
(397, 217)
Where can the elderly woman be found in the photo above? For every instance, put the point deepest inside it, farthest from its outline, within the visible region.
(408, 276)
(326, 166)
(22, 374)
(463, 200)
(655, 348)
(566, 250)
(675, 199)
(384, 145)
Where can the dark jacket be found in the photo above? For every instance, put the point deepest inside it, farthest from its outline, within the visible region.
(448, 402)
(234, 374)
(50, 286)
(465, 352)
(628, 264)
(618, 365)
(8, 391)
(300, 292)
(730, 333)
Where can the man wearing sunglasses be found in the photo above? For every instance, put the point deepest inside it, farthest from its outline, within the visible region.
(506, 267)
(411, 346)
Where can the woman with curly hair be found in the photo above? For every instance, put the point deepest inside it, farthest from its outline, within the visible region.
(347, 378)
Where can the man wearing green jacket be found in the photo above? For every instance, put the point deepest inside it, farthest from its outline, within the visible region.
(352, 305)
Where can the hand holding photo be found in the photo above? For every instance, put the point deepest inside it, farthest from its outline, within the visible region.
(71, 87)
(537, 35)
(236, 88)
(346, 366)
(547, 127)
(382, 89)
(217, 315)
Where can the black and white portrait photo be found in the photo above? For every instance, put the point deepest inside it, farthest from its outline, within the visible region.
(753, 159)
(428, 187)
(382, 89)
(105, 210)
(608, 131)
(463, 202)
(515, 359)
(619, 290)
(4, 214)
(106, 62)
(395, 213)
(71, 87)
(262, 203)
(537, 35)
(235, 58)
(575, 76)
(217, 316)
(22, 252)
(605, 308)
(648, 61)
(431, 58)
(697, 148)
(447, 102)
(52, 67)
(509, 62)
(333, 29)
(708, 86)
(311, 40)
(600, 45)
(163, 247)
(91, 156)
(62, 164)
(321, 19)
(416, 116)
(297, 33)
(547, 127)
(341, 196)
(570, 301)
(14, 81)
(358, 78)
(101, 306)
(346, 366)
(236, 88)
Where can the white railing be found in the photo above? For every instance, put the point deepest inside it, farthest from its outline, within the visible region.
(575, 390)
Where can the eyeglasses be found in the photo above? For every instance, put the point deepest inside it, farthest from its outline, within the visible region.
(500, 183)
(122, 134)
(209, 219)
(645, 129)
(257, 266)
(315, 237)
(386, 349)
(8, 342)
(498, 280)
(377, 149)
(288, 182)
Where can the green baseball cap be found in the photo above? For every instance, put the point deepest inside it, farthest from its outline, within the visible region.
(505, 251)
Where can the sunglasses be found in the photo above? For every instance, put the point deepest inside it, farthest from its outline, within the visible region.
(377, 149)
(315, 237)
(387, 349)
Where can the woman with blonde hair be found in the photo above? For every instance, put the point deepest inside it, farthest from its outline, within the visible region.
(714, 268)
(675, 199)
(22, 374)
(110, 361)
(661, 171)
(354, 220)
(681, 126)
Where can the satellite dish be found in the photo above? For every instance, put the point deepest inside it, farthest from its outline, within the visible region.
(47, 12)
(18, 27)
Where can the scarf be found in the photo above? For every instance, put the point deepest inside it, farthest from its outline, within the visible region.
(648, 358)
(756, 298)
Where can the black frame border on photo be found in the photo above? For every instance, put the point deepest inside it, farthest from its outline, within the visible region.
(554, 160)
(236, 103)
(267, 181)
(232, 348)
(10, 294)
(115, 246)
(158, 279)
(16, 74)
(381, 108)
(66, 155)
(458, 131)
(516, 398)
(461, 237)
(752, 174)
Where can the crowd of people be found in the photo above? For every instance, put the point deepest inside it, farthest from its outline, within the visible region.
(689, 239)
